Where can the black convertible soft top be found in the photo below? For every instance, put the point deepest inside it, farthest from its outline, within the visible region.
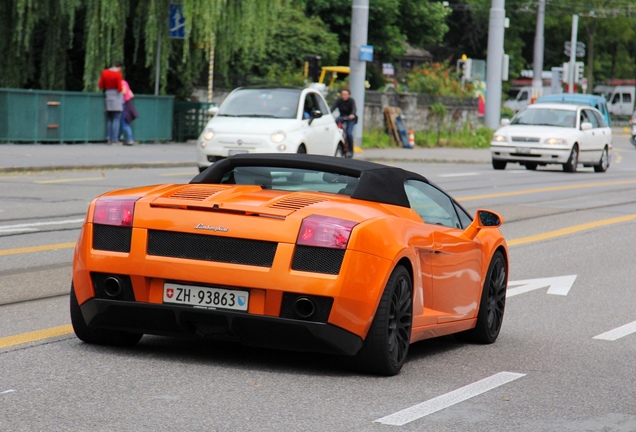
(378, 183)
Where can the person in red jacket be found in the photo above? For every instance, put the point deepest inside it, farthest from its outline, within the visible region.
(111, 82)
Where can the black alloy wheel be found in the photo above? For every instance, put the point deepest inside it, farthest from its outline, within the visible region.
(387, 344)
(492, 305)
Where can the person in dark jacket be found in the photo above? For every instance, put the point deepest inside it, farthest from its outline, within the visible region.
(347, 116)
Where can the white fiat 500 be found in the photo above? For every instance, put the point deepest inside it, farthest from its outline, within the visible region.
(546, 133)
(270, 120)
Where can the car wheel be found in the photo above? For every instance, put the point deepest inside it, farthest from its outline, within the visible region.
(302, 149)
(98, 336)
(498, 164)
(531, 166)
(340, 151)
(387, 344)
(492, 304)
(603, 164)
(572, 163)
(201, 169)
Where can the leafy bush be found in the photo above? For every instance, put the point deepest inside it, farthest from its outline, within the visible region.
(438, 79)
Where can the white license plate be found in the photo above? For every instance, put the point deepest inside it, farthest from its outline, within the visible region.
(235, 152)
(524, 150)
(216, 298)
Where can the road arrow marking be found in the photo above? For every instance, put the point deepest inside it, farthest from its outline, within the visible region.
(618, 332)
(559, 285)
(449, 399)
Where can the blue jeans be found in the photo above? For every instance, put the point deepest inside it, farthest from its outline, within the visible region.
(125, 127)
(112, 125)
(347, 125)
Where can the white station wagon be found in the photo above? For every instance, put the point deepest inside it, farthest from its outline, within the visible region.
(270, 120)
(546, 133)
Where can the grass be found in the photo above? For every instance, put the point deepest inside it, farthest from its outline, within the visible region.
(465, 138)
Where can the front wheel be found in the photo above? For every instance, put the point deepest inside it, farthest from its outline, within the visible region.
(98, 336)
(499, 164)
(492, 304)
(572, 163)
(340, 151)
(603, 164)
(302, 149)
(387, 344)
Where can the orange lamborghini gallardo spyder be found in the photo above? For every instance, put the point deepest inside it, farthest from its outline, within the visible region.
(298, 252)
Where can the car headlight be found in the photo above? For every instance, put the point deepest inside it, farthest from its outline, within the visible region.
(278, 136)
(499, 138)
(554, 141)
(208, 135)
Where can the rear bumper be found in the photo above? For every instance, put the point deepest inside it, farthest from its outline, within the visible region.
(248, 329)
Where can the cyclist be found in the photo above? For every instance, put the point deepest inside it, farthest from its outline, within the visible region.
(347, 117)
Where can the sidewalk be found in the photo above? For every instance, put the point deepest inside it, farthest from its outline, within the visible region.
(48, 157)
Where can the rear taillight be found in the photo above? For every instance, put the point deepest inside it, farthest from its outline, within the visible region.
(115, 210)
(325, 231)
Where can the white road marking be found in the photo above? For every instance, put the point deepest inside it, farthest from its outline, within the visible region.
(33, 226)
(6, 391)
(439, 403)
(460, 174)
(618, 332)
(559, 285)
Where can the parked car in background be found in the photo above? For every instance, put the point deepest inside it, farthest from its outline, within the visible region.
(554, 133)
(596, 101)
(620, 98)
(270, 120)
(297, 252)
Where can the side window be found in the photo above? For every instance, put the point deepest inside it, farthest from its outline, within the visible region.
(309, 105)
(617, 98)
(600, 120)
(322, 105)
(627, 97)
(589, 116)
(523, 96)
(464, 217)
(431, 204)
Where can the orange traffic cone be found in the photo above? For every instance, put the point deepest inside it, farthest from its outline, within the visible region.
(411, 138)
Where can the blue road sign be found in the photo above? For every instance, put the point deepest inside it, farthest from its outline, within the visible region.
(176, 21)
(366, 53)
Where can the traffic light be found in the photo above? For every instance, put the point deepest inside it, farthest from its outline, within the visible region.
(578, 72)
(312, 67)
(566, 73)
(464, 68)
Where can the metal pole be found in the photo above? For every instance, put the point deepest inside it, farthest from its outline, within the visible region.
(494, 63)
(211, 71)
(575, 27)
(539, 41)
(358, 68)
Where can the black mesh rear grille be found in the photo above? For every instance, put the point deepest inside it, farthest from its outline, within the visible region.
(111, 238)
(317, 260)
(321, 307)
(211, 248)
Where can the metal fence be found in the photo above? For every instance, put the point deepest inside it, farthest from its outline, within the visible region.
(42, 116)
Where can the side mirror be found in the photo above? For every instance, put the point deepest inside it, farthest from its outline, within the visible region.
(505, 121)
(212, 111)
(485, 219)
(314, 114)
(586, 126)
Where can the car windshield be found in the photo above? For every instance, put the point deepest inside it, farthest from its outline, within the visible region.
(546, 117)
(264, 103)
(291, 179)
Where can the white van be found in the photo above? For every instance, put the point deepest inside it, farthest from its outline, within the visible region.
(520, 97)
(620, 99)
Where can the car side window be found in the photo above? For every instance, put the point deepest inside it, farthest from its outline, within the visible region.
(309, 105)
(600, 120)
(589, 114)
(431, 204)
(322, 105)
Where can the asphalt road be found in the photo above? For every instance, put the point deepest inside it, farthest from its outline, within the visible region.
(563, 361)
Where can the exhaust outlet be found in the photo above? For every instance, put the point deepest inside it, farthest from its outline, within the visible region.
(304, 307)
(113, 286)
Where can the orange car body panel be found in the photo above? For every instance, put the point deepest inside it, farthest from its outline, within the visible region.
(447, 265)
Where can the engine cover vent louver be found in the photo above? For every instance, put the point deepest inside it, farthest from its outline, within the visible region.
(296, 202)
(196, 193)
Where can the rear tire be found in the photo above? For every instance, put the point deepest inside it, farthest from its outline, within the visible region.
(340, 151)
(387, 344)
(498, 164)
(531, 166)
(302, 149)
(604, 163)
(98, 336)
(573, 162)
